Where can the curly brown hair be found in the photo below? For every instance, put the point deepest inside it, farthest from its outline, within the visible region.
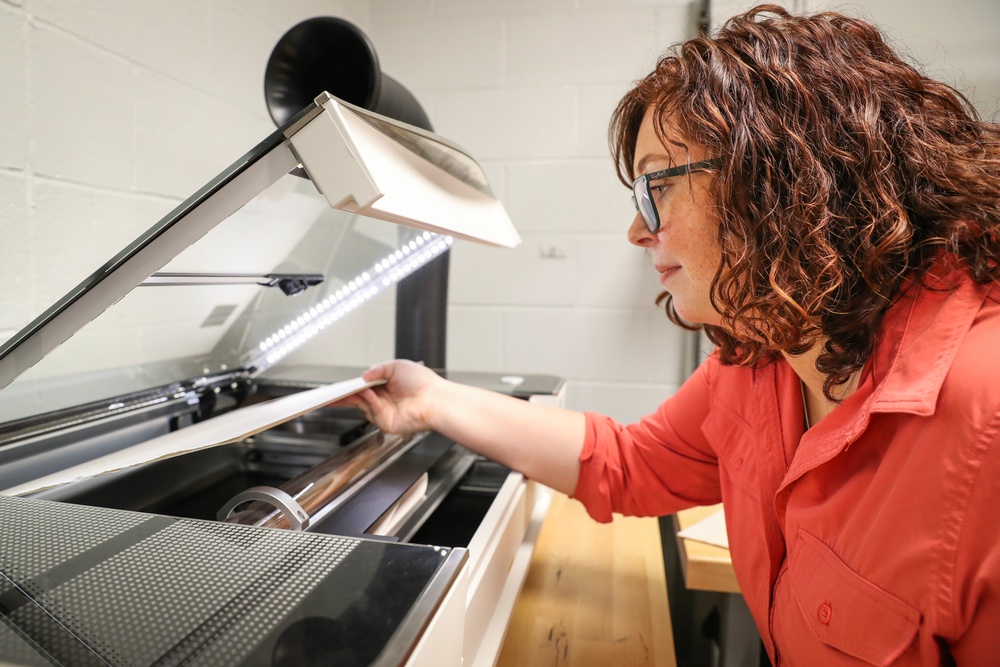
(844, 172)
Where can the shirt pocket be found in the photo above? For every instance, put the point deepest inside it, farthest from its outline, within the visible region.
(845, 610)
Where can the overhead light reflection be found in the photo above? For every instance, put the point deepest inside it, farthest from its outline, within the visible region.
(361, 288)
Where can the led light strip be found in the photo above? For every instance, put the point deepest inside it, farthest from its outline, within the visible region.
(383, 274)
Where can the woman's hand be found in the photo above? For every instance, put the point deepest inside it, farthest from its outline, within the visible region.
(542, 442)
(405, 403)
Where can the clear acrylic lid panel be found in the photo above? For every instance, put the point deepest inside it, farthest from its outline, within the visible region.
(174, 331)
(206, 289)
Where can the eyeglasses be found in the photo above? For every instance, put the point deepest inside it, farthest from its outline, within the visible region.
(642, 196)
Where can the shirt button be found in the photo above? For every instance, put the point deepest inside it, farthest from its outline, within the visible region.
(825, 613)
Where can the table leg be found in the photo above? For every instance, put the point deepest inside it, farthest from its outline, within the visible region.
(739, 642)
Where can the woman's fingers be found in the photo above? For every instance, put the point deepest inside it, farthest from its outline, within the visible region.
(376, 372)
(393, 405)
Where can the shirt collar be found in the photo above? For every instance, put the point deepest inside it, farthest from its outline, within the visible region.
(921, 336)
(916, 346)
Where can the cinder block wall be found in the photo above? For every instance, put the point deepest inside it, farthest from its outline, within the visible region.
(113, 112)
(528, 88)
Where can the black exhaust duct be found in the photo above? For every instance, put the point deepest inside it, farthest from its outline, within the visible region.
(333, 55)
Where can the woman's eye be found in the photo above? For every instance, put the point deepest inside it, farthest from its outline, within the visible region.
(659, 190)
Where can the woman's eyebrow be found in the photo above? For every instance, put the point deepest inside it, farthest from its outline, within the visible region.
(646, 159)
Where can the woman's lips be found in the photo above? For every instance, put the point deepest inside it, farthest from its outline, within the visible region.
(666, 272)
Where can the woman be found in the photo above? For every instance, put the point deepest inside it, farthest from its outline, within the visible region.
(830, 217)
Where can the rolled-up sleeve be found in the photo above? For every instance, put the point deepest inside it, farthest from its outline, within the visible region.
(657, 466)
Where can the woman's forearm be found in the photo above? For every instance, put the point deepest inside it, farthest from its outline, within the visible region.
(542, 442)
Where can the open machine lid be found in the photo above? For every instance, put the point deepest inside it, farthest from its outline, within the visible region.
(257, 261)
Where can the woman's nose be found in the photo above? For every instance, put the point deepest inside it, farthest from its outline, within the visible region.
(638, 233)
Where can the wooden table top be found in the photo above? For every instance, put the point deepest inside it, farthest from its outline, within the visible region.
(706, 567)
(595, 595)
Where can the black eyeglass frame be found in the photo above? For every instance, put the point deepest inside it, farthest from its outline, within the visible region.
(642, 193)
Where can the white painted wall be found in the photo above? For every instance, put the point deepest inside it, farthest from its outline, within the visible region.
(957, 41)
(113, 112)
(528, 88)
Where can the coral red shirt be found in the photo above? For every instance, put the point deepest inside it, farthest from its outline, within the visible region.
(873, 538)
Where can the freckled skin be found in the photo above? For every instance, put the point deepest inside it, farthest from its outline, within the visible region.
(685, 250)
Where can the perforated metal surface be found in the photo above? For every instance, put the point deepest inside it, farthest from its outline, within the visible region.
(37, 539)
(139, 589)
(17, 651)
